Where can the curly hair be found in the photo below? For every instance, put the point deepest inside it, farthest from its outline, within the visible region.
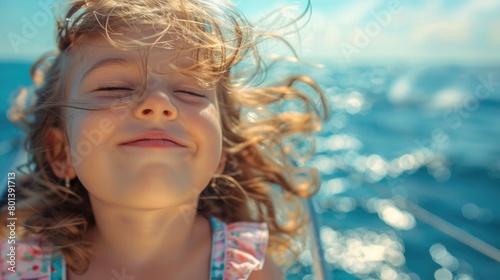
(264, 138)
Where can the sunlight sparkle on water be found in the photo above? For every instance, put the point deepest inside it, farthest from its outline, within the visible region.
(338, 142)
(443, 274)
(393, 216)
(333, 186)
(364, 253)
(442, 257)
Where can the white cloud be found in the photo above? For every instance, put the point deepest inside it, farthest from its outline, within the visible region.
(433, 30)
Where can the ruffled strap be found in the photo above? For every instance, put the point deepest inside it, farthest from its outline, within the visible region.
(238, 249)
(29, 262)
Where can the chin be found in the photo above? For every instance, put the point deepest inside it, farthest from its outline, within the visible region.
(155, 197)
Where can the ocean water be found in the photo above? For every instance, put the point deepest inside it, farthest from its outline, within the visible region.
(410, 166)
(411, 173)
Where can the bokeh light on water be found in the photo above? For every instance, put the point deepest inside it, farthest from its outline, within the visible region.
(363, 252)
(406, 194)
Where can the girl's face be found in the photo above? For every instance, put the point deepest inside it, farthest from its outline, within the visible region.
(159, 152)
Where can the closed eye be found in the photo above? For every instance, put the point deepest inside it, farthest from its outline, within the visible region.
(113, 88)
(191, 93)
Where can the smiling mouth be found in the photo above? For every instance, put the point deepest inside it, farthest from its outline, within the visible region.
(152, 143)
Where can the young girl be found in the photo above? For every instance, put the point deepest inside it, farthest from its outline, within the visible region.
(151, 157)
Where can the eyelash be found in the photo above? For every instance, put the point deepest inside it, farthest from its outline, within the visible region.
(113, 88)
(129, 89)
(191, 93)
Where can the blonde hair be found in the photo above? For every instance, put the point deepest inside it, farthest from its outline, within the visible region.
(262, 151)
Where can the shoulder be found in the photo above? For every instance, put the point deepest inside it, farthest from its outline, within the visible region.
(270, 270)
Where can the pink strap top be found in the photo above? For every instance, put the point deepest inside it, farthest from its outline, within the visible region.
(237, 250)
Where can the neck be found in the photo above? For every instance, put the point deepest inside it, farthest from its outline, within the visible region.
(136, 237)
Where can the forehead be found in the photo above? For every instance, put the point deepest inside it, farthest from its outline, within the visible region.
(92, 50)
(142, 50)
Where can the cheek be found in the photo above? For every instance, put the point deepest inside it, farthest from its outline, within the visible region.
(75, 124)
(82, 123)
(78, 123)
(210, 113)
(211, 119)
(87, 131)
(211, 131)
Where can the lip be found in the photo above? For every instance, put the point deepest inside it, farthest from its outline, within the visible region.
(153, 139)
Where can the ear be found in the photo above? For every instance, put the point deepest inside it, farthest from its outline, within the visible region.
(58, 153)
(222, 163)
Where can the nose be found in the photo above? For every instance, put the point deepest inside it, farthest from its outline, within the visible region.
(155, 105)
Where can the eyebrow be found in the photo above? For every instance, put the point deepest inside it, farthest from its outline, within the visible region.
(106, 62)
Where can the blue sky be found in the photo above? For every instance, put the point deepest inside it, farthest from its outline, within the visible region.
(341, 31)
